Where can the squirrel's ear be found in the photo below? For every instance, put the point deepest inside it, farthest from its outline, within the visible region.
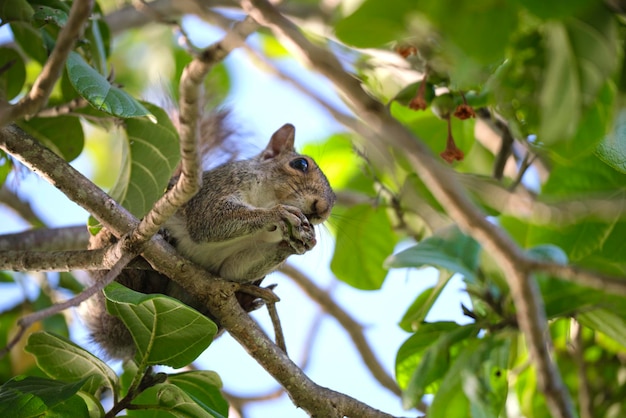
(281, 141)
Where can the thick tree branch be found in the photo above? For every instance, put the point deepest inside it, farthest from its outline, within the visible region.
(51, 71)
(441, 182)
(47, 239)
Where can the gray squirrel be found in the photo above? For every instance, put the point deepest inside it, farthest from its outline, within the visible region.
(247, 218)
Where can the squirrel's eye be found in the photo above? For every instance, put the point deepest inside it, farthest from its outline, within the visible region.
(300, 164)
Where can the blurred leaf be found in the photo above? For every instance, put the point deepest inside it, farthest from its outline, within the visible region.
(29, 396)
(480, 28)
(13, 73)
(63, 360)
(30, 40)
(561, 98)
(374, 23)
(204, 387)
(425, 357)
(69, 282)
(364, 240)
(167, 400)
(555, 9)
(62, 134)
(582, 53)
(338, 161)
(593, 126)
(607, 322)
(165, 330)
(448, 248)
(99, 92)
(612, 150)
(417, 312)
(15, 10)
(475, 382)
(98, 36)
(149, 158)
(44, 15)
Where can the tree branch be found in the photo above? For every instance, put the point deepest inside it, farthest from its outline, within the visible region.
(51, 71)
(47, 239)
(440, 181)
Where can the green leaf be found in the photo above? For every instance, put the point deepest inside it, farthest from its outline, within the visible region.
(612, 150)
(425, 357)
(418, 310)
(165, 330)
(29, 396)
(15, 10)
(45, 14)
(475, 382)
(167, 400)
(62, 134)
(607, 322)
(364, 240)
(480, 28)
(374, 23)
(204, 388)
(148, 162)
(13, 73)
(61, 359)
(581, 55)
(30, 40)
(448, 248)
(555, 9)
(561, 99)
(97, 90)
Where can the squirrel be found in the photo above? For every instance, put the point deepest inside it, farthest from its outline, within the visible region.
(246, 219)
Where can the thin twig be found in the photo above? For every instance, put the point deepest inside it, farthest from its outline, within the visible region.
(47, 239)
(38, 95)
(577, 348)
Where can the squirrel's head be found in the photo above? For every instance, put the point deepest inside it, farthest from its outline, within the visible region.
(297, 178)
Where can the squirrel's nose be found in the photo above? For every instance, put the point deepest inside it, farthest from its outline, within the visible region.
(320, 209)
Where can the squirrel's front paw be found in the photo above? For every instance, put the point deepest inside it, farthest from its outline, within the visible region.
(298, 233)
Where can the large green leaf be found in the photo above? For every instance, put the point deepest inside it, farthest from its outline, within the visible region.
(99, 92)
(424, 358)
(448, 248)
(416, 314)
(149, 158)
(61, 359)
(62, 134)
(364, 240)
(476, 384)
(480, 28)
(29, 396)
(166, 400)
(15, 10)
(30, 40)
(13, 75)
(374, 23)
(607, 322)
(581, 54)
(612, 150)
(204, 388)
(165, 330)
